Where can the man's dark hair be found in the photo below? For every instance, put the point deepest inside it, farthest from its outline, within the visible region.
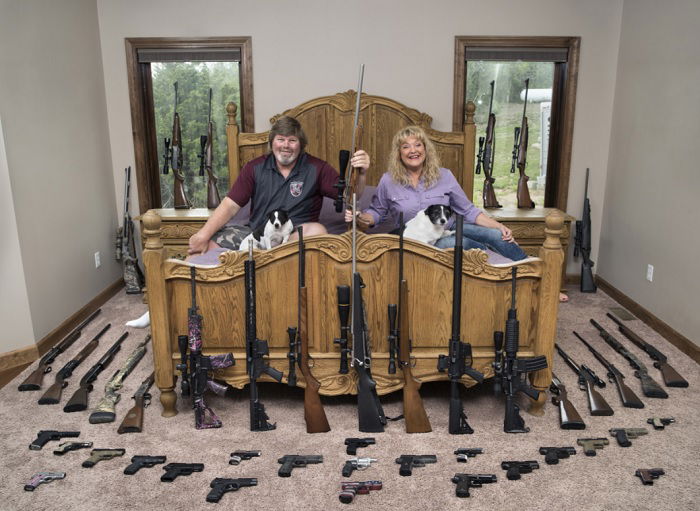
(287, 127)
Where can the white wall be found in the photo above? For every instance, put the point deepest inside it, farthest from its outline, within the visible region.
(651, 209)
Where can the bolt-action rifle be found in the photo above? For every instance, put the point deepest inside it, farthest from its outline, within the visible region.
(582, 244)
(485, 158)
(133, 420)
(520, 157)
(173, 157)
(206, 158)
(344, 315)
(587, 380)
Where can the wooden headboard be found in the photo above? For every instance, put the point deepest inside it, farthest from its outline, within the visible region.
(328, 121)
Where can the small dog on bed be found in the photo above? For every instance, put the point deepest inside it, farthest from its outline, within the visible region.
(273, 232)
(429, 224)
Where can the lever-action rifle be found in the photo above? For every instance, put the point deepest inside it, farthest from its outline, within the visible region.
(485, 158)
(458, 362)
(125, 245)
(569, 418)
(33, 381)
(206, 162)
(79, 401)
(173, 155)
(582, 244)
(520, 157)
(587, 380)
(133, 421)
(256, 349)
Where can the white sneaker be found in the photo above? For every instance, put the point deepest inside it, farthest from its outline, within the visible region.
(142, 322)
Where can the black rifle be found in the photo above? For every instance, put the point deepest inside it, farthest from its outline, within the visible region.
(569, 418)
(33, 381)
(459, 360)
(126, 248)
(587, 380)
(343, 159)
(133, 420)
(485, 158)
(649, 387)
(629, 398)
(670, 375)
(79, 401)
(344, 314)
(256, 349)
(511, 371)
(201, 365)
(221, 485)
(583, 244)
(52, 396)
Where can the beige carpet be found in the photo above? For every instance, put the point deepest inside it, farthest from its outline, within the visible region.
(604, 482)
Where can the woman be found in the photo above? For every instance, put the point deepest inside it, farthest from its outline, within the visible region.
(415, 180)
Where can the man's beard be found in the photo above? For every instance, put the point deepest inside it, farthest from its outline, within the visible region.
(285, 159)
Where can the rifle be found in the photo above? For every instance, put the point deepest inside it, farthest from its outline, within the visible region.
(176, 157)
(79, 401)
(587, 380)
(314, 414)
(569, 417)
(485, 158)
(458, 362)
(629, 398)
(670, 375)
(520, 157)
(34, 380)
(582, 244)
(256, 349)
(126, 249)
(369, 409)
(52, 396)
(344, 313)
(133, 421)
(206, 162)
(649, 387)
(200, 366)
(104, 412)
(510, 370)
(413, 410)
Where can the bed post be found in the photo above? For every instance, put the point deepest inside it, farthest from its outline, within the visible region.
(153, 257)
(552, 256)
(469, 145)
(234, 155)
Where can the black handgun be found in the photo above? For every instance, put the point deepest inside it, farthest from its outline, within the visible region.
(514, 469)
(354, 443)
(291, 461)
(552, 455)
(221, 485)
(45, 435)
(172, 470)
(463, 455)
(139, 462)
(466, 481)
(238, 456)
(408, 461)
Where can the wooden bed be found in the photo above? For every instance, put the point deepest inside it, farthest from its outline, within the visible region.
(220, 289)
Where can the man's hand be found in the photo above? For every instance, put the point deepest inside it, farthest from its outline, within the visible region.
(360, 160)
(364, 219)
(198, 244)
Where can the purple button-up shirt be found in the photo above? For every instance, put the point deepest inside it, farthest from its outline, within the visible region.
(391, 198)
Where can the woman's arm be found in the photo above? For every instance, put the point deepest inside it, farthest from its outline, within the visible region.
(486, 221)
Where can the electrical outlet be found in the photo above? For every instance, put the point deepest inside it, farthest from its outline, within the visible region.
(97, 260)
(650, 273)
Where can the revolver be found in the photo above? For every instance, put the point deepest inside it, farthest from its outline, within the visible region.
(357, 464)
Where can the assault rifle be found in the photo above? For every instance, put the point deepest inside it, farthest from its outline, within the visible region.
(670, 375)
(33, 381)
(582, 244)
(79, 401)
(569, 417)
(52, 396)
(520, 157)
(485, 158)
(200, 366)
(458, 362)
(125, 245)
(104, 412)
(256, 349)
(173, 156)
(413, 410)
(206, 162)
(629, 398)
(587, 380)
(314, 414)
(649, 387)
(133, 421)
(511, 371)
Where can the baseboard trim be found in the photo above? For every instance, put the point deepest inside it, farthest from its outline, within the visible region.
(671, 335)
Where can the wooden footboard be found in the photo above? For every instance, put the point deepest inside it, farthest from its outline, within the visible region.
(220, 296)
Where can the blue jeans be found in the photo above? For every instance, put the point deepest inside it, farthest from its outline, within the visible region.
(476, 236)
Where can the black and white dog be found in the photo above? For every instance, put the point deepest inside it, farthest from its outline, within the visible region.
(429, 224)
(273, 232)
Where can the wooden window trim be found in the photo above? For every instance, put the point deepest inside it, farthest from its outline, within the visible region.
(556, 193)
(141, 100)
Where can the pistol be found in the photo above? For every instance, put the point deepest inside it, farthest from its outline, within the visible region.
(354, 443)
(220, 485)
(357, 464)
(42, 477)
(348, 489)
(70, 446)
(45, 435)
(291, 461)
(463, 455)
(647, 475)
(624, 435)
(97, 455)
(590, 445)
(660, 422)
(238, 456)
(552, 455)
(172, 470)
(409, 461)
(139, 462)
(514, 469)
(466, 481)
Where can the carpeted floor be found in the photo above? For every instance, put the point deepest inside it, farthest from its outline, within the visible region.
(603, 482)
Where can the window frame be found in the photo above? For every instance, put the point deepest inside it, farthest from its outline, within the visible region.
(563, 102)
(146, 161)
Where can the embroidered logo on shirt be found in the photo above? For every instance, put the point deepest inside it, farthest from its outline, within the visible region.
(295, 188)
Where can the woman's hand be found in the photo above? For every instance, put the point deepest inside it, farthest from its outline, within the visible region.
(506, 234)
(363, 218)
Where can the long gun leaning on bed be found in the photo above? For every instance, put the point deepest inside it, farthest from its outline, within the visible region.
(314, 414)
(52, 396)
(649, 386)
(670, 375)
(206, 159)
(133, 420)
(627, 396)
(256, 349)
(520, 157)
(173, 158)
(35, 378)
(104, 411)
(195, 371)
(582, 244)
(510, 371)
(413, 410)
(79, 401)
(344, 315)
(125, 245)
(458, 362)
(587, 380)
(569, 418)
(487, 151)
(369, 409)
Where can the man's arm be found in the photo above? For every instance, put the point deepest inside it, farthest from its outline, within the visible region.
(199, 241)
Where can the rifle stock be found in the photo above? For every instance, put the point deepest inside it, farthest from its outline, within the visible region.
(569, 418)
(133, 421)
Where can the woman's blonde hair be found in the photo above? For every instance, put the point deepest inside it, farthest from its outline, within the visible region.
(431, 166)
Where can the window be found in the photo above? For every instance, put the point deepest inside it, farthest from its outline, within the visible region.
(550, 64)
(155, 67)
